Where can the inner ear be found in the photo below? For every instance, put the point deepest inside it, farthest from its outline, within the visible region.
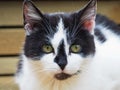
(89, 25)
(32, 15)
(30, 11)
(88, 14)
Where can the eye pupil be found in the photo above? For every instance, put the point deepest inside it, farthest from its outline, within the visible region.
(47, 48)
(76, 47)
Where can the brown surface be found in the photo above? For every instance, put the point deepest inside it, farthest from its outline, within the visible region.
(8, 65)
(8, 83)
(11, 41)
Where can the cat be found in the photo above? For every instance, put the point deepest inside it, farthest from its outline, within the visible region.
(69, 51)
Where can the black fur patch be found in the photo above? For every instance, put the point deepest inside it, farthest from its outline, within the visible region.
(77, 34)
(19, 66)
(105, 22)
(61, 58)
(100, 36)
(45, 28)
(35, 41)
(100, 19)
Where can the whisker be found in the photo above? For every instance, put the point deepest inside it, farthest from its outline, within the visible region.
(75, 31)
(84, 69)
(48, 27)
(38, 70)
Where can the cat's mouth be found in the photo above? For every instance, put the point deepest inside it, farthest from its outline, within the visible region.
(63, 76)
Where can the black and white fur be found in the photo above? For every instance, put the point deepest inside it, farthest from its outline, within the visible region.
(95, 67)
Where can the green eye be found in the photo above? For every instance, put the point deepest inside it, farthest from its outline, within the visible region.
(47, 48)
(75, 48)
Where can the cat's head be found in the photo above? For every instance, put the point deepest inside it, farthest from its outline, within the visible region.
(61, 42)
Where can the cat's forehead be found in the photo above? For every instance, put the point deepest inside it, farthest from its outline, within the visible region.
(64, 28)
(54, 18)
(60, 34)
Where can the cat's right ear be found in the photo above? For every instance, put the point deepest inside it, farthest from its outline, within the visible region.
(31, 15)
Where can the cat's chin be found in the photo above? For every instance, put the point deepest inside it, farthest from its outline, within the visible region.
(64, 76)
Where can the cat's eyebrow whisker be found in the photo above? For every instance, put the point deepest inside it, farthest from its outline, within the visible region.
(45, 28)
(73, 28)
(75, 31)
(48, 27)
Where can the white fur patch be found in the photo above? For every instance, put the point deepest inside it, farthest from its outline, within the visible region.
(59, 35)
(107, 55)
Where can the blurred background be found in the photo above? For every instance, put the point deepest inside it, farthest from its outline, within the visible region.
(12, 33)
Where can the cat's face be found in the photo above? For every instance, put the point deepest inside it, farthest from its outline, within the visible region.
(61, 42)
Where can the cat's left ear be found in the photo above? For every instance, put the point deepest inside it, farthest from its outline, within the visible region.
(88, 15)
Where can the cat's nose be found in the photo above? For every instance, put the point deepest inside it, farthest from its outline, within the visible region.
(61, 61)
(62, 65)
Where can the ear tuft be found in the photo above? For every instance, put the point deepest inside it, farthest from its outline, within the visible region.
(30, 11)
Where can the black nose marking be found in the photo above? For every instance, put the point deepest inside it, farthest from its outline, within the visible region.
(61, 61)
(61, 58)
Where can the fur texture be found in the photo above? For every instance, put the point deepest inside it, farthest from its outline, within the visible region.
(94, 67)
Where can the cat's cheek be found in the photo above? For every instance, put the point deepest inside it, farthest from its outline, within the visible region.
(48, 63)
(74, 63)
